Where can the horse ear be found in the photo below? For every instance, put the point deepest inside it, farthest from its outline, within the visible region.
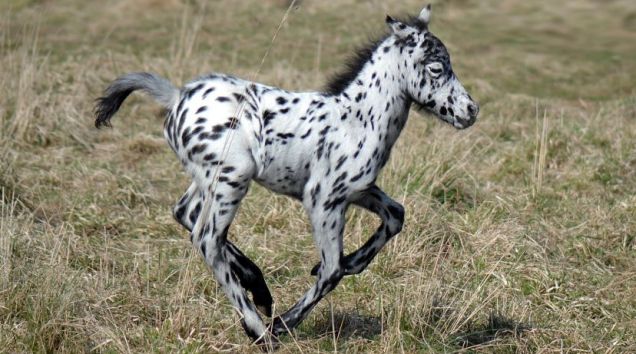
(425, 14)
(398, 28)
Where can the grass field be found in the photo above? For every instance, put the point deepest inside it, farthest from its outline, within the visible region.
(520, 232)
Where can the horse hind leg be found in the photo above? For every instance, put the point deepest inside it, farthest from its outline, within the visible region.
(187, 211)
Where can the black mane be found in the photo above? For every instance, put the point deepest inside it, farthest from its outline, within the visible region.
(340, 81)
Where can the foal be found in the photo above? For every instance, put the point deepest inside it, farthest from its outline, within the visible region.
(325, 149)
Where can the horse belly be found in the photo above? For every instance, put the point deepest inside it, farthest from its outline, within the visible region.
(284, 175)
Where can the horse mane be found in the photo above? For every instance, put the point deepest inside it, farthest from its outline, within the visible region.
(354, 65)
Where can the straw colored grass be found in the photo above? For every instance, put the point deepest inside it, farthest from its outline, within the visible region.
(519, 235)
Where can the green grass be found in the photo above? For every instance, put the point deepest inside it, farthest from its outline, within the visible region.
(520, 232)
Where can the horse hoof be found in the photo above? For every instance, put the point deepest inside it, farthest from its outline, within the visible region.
(267, 342)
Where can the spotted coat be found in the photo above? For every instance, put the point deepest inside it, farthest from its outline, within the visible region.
(324, 149)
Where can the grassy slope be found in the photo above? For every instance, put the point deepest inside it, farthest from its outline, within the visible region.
(527, 219)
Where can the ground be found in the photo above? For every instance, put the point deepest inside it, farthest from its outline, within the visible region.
(519, 234)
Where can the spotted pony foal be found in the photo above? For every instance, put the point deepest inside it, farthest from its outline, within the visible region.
(325, 149)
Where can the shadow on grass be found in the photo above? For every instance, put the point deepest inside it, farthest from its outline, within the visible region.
(497, 327)
(349, 325)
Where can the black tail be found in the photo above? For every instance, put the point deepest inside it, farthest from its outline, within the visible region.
(159, 88)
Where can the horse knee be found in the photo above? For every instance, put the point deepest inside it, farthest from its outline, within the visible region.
(186, 215)
(187, 211)
(178, 213)
(396, 218)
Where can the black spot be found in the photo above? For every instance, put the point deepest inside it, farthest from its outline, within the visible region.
(182, 119)
(218, 128)
(442, 111)
(208, 136)
(196, 130)
(223, 99)
(209, 157)
(268, 116)
(357, 177)
(189, 93)
(180, 106)
(281, 100)
(332, 204)
(324, 131)
(306, 134)
(314, 194)
(185, 137)
(232, 123)
(239, 98)
(233, 184)
(207, 92)
(340, 162)
(197, 149)
(178, 213)
(341, 177)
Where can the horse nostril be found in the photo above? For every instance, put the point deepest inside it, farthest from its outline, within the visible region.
(473, 109)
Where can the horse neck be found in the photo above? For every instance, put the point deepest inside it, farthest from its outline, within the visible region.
(376, 99)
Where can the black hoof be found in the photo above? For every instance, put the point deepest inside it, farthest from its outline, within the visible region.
(278, 327)
(262, 299)
(314, 270)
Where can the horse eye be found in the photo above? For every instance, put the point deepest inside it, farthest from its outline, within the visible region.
(435, 71)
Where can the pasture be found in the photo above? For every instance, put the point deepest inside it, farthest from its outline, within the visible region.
(519, 235)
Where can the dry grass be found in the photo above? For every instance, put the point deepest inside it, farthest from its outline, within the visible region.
(520, 232)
